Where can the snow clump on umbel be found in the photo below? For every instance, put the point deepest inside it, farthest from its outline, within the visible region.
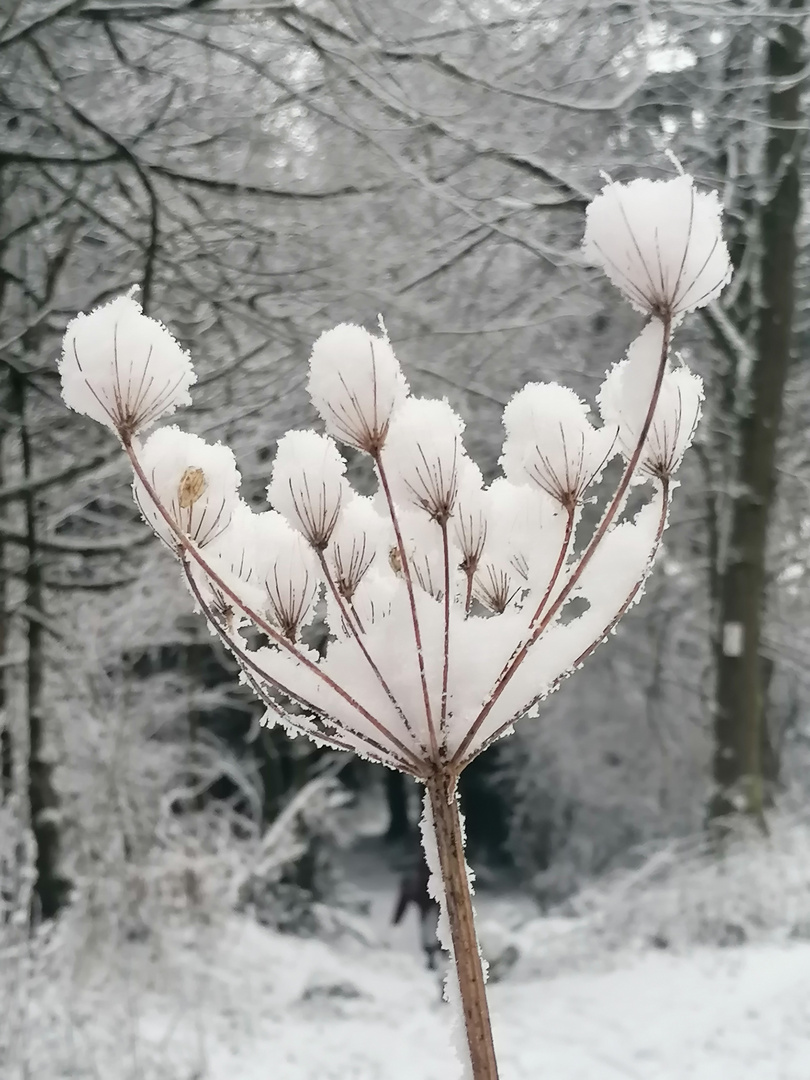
(194, 487)
(444, 598)
(661, 243)
(356, 384)
(123, 369)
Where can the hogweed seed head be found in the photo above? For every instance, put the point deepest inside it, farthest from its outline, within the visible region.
(445, 601)
(356, 384)
(195, 482)
(308, 486)
(358, 540)
(423, 456)
(123, 369)
(661, 243)
(551, 443)
(286, 570)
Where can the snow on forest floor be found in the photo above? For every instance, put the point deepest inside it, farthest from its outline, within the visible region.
(219, 997)
(238, 1002)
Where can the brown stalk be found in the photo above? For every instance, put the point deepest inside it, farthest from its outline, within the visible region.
(406, 573)
(569, 529)
(446, 659)
(442, 797)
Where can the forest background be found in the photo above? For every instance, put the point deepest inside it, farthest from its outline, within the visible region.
(262, 171)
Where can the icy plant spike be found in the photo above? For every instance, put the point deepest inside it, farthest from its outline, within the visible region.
(444, 598)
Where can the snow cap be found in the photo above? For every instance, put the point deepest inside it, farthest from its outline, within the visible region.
(355, 383)
(551, 443)
(358, 540)
(122, 368)
(660, 242)
(307, 485)
(423, 454)
(196, 483)
(286, 571)
(470, 517)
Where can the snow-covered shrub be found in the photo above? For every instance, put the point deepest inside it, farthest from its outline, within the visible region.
(681, 894)
(293, 873)
(713, 892)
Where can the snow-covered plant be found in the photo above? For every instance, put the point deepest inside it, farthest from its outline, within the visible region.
(447, 600)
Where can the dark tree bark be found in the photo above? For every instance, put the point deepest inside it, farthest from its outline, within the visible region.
(6, 740)
(51, 888)
(739, 696)
(396, 797)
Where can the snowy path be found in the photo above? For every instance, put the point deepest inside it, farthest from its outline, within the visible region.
(234, 1001)
(247, 1004)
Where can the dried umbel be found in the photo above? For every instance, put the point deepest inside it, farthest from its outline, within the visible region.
(447, 600)
(123, 369)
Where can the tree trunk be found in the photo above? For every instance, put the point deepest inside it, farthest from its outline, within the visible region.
(738, 713)
(396, 797)
(50, 887)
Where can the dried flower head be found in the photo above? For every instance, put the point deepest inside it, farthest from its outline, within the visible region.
(356, 542)
(470, 516)
(423, 456)
(123, 369)
(286, 570)
(308, 486)
(356, 384)
(660, 242)
(446, 601)
(195, 482)
(551, 443)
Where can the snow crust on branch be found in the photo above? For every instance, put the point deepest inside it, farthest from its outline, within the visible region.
(122, 368)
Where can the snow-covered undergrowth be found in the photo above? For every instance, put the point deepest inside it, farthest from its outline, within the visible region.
(203, 994)
(235, 1000)
(752, 888)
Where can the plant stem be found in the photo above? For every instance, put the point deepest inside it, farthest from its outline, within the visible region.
(406, 573)
(446, 664)
(442, 812)
(612, 510)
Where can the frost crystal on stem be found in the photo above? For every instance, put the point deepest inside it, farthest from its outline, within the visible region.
(446, 602)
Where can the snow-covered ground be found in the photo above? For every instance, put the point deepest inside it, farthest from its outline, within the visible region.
(206, 994)
(238, 1002)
